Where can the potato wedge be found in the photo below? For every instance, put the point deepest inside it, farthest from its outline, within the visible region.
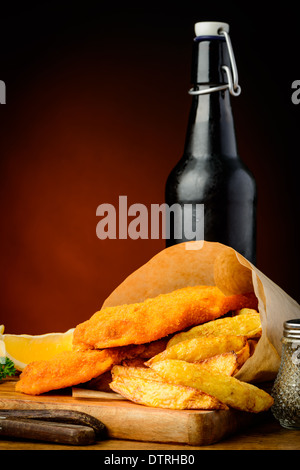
(139, 372)
(226, 363)
(164, 395)
(243, 311)
(198, 349)
(245, 324)
(243, 355)
(234, 393)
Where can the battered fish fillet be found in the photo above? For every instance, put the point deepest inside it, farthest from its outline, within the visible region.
(71, 368)
(157, 317)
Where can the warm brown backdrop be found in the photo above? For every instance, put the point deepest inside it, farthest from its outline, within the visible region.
(97, 107)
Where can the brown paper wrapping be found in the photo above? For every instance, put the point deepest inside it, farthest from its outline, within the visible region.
(208, 263)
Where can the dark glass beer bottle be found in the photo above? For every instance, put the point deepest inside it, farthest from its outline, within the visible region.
(210, 171)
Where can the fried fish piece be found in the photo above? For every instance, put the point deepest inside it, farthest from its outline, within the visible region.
(71, 368)
(229, 390)
(164, 395)
(156, 317)
(64, 370)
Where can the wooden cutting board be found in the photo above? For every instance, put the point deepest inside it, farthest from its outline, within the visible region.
(126, 420)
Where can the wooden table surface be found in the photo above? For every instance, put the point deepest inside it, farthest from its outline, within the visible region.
(265, 436)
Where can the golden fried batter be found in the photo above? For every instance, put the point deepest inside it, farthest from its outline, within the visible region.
(71, 368)
(64, 370)
(157, 317)
(124, 332)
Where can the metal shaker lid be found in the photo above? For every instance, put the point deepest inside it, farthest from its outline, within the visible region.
(291, 329)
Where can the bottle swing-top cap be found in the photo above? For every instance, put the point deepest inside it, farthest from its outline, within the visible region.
(210, 30)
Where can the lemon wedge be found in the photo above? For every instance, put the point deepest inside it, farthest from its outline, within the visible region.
(2, 349)
(2, 344)
(23, 349)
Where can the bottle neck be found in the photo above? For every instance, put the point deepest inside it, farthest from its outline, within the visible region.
(211, 127)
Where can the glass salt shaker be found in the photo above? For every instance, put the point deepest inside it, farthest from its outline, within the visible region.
(286, 389)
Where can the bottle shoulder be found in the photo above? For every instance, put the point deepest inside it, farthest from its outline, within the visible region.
(209, 176)
(212, 164)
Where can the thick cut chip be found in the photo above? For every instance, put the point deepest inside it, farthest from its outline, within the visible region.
(226, 363)
(246, 324)
(234, 393)
(245, 311)
(198, 349)
(156, 317)
(133, 371)
(243, 354)
(164, 395)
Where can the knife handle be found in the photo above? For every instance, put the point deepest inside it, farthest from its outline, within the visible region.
(59, 416)
(47, 431)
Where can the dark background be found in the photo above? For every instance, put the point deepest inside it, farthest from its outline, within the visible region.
(97, 107)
